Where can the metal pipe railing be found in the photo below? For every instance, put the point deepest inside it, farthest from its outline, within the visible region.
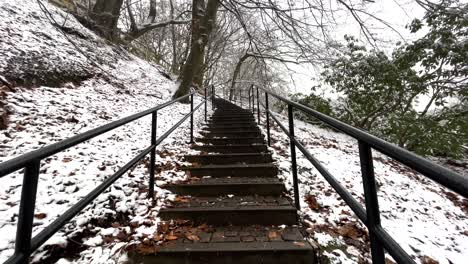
(379, 238)
(26, 244)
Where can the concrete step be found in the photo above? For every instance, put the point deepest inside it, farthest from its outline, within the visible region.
(223, 134)
(234, 170)
(221, 129)
(228, 126)
(233, 210)
(270, 186)
(231, 141)
(232, 117)
(235, 244)
(231, 123)
(232, 112)
(231, 158)
(247, 148)
(250, 116)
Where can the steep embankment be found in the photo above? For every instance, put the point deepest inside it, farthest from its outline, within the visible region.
(66, 81)
(429, 221)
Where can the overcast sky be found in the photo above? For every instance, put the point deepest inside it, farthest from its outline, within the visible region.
(398, 13)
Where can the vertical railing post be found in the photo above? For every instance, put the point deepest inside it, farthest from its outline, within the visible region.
(26, 210)
(253, 100)
(212, 96)
(293, 157)
(206, 102)
(371, 200)
(258, 106)
(154, 127)
(267, 112)
(191, 118)
(240, 97)
(250, 100)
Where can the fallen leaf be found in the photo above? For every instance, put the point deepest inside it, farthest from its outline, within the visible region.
(312, 202)
(40, 215)
(67, 160)
(300, 244)
(349, 230)
(428, 260)
(181, 199)
(192, 237)
(273, 235)
(171, 236)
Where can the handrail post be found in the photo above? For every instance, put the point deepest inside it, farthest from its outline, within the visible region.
(206, 111)
(154, 127)
(253, 100)
(240, 97)
(293, 157)
(250, 100)
(258, 106)
(26, 211)
(191, 118)
(371, 200)
(212, 96)
(267, 119)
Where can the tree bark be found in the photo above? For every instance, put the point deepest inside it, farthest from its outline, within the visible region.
(174, 41)
(235, 74)
(200, 36)
(105, 15)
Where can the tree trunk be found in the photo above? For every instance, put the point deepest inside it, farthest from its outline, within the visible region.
(235, 74)
(200, 35)
(174, 41)
(105, 15)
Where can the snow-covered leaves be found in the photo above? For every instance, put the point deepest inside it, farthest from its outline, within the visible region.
(427, 220)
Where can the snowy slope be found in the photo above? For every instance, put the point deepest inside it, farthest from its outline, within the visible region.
(429, 221)
(73, 92)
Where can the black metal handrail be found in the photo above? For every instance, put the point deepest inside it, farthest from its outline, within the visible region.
(25, 244)
(370, 215)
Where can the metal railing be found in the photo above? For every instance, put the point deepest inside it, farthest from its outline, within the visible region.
(25, 244)
(380, 240)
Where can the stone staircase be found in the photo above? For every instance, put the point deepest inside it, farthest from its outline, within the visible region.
(234, 200)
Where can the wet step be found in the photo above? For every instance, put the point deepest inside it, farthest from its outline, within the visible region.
(230, 129)
(227, 126)
(229, 185)
(232, 210)
(241, 148)
(223, 118)
(231, 141)
(231, 158)
(231, 114)
(233, 244)
(234, 170)
(227, 133)
(231, 123)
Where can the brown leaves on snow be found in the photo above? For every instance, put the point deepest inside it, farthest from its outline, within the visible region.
(312, 202)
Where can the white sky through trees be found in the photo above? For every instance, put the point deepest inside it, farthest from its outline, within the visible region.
(397, 13)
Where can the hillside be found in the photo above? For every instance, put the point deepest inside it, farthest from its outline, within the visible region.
(67, 81)
(61, 80)
(429, 221)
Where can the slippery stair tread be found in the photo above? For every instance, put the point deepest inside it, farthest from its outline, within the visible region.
(230, 181)
(232, 202)
(239, 165)
(237, 246)
(237, 238)
(228, 155)
(236, 145)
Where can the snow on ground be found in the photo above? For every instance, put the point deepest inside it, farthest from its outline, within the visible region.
(121, 85)
(429, 221)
